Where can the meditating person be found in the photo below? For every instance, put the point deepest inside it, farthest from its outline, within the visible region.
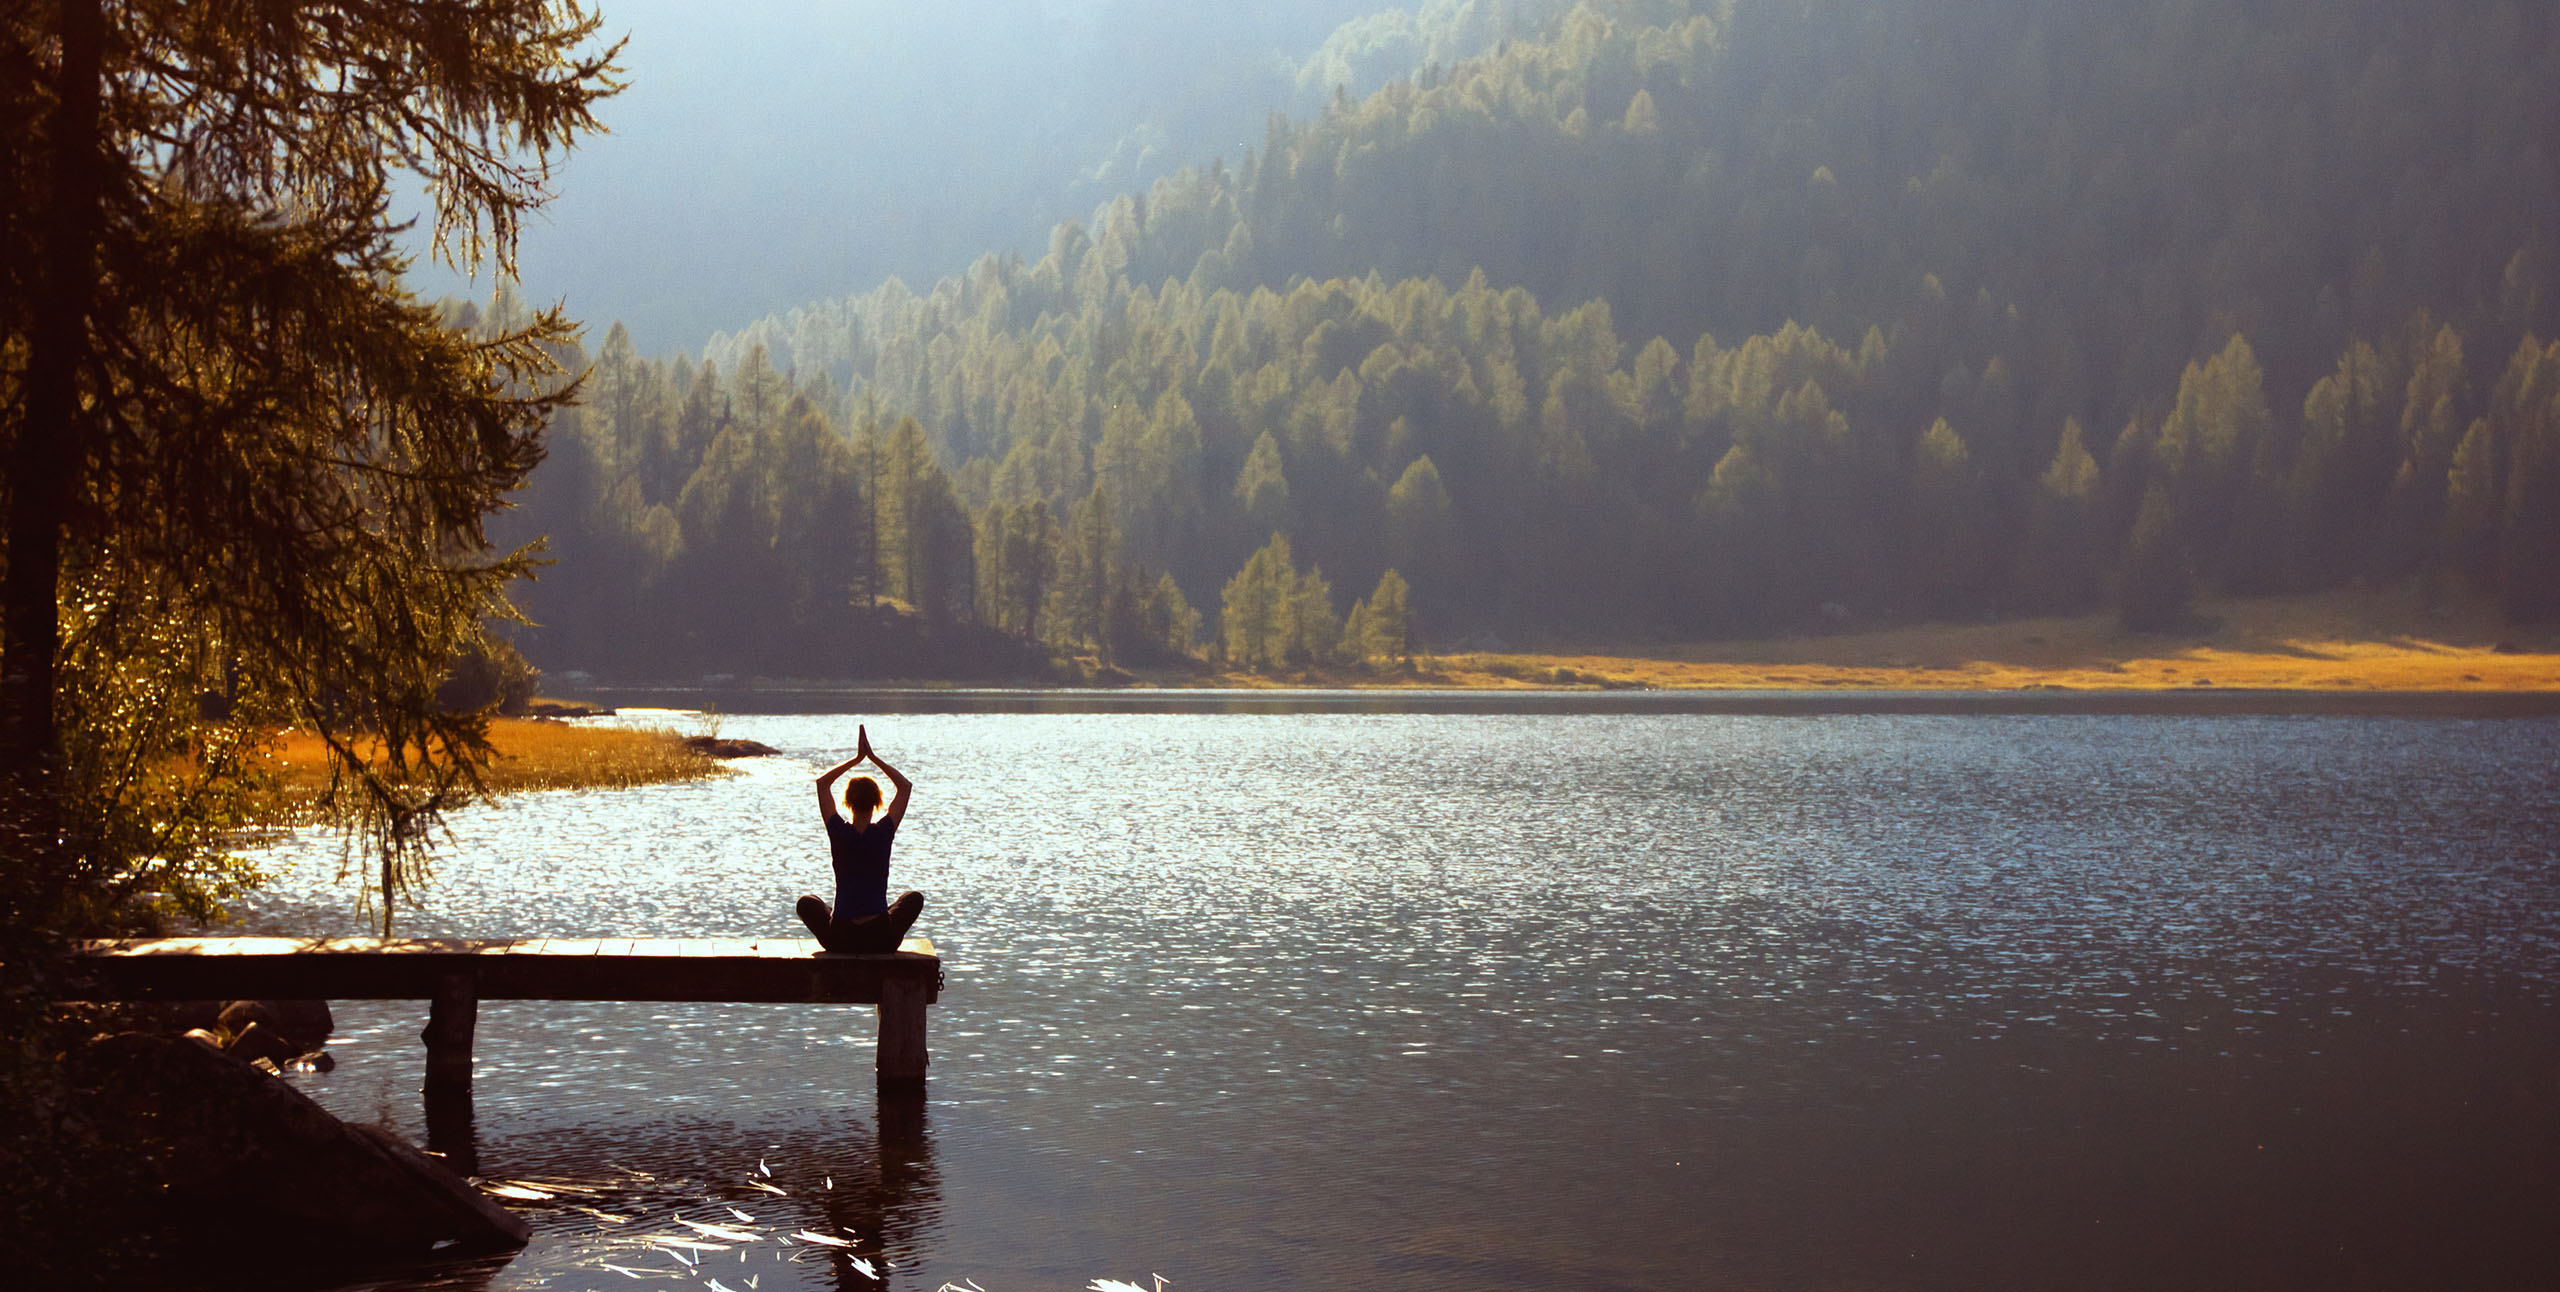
(864, 920)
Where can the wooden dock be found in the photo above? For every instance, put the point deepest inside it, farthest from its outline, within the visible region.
(455, 974)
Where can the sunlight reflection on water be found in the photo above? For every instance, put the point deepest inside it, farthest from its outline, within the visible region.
(1277, 1000)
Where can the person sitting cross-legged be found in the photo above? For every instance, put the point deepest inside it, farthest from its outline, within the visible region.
(863, 920)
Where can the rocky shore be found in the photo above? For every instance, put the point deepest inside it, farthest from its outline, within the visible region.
(227, 1174)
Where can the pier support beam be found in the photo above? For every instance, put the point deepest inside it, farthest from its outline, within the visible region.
(450, 1130)
(901, 1058)
(453, 1014)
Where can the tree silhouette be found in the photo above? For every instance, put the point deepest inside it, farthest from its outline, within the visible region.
(225, 418)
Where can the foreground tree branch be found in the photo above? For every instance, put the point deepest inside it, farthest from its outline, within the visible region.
(246, 473)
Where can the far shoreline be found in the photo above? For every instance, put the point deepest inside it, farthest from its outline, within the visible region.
(864, 698)
(2368, 653)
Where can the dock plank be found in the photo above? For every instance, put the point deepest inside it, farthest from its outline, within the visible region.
(457, 973)
(765, 970)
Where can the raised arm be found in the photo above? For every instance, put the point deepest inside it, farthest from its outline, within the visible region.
(827, 787)
(897, 805)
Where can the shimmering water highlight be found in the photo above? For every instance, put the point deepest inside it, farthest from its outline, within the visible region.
(1604, 1000)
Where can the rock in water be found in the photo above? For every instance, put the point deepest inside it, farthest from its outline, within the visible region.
(259, 1041)
(235, 1151)
(306, 1023)
(239, 1015)
(719, 748)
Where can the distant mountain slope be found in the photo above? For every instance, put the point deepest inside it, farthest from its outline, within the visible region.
(2094, 192)
(1677, 320)
(769, 153)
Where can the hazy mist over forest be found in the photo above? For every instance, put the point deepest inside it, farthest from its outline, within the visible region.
(774, 153)
(1284, 336)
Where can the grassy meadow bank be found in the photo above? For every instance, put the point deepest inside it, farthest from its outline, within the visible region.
(2336, 642)
(530, 754)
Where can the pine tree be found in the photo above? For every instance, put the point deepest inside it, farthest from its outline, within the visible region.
(1079, 599)
(758, 393)
(2431, 427)
(1947, 551)
(2340, 470)
(1387, 630)
(2207, 451)
(2529, 533)
(1642, 117)
(1169, 622)
(1354, 647)
(1017, 562)
(230, 427)
(1313, 633)
(2158, 578)
(2061, 558)
(2473, 508)
(1255, 623)
(1422, 529)
(1262, 489)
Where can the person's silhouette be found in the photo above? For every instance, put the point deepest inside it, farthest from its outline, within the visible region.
(863, 919)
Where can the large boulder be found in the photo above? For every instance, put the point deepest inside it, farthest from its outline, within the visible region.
(232, 1151)
(306, 1023)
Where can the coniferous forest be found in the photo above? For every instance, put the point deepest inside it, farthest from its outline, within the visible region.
(1666, 320)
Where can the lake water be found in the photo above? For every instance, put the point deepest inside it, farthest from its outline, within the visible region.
(1591, 1000)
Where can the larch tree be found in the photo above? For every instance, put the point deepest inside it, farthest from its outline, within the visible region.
(1387, 622)
(2157, 579)
(1253, 620)
(1422, 532)
(1262, 488)
(2059, 559)
(2529, 538)
(246, 473)
(1315, 633)
(1080, 589)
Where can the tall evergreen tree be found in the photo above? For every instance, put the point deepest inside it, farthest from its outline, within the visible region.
(1255, 622)
(1386, 630)
(2157, 578)
(1262, 488)
(1079, 600)
(2061, 557)
(2529, 533)
(223, 417)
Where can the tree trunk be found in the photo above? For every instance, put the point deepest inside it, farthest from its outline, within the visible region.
(42, 472)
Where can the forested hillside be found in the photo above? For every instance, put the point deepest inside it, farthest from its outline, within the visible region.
(1679, 320)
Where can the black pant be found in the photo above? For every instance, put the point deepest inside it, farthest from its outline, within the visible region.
(862, 934)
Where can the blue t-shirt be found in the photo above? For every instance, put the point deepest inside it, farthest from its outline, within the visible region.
(862, 865)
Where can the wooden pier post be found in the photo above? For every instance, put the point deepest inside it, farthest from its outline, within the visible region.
(901, 1057)
(453, 1014)
(450, 1130)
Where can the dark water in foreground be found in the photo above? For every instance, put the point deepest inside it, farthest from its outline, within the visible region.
(1583, 1000)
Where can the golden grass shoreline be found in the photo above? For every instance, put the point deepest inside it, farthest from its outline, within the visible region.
(533, 754)
(2347, 643)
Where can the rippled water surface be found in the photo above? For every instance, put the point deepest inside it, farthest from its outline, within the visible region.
(1599, 1001)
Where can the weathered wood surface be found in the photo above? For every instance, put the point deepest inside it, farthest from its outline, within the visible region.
(900, 1057)
(765, 970)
